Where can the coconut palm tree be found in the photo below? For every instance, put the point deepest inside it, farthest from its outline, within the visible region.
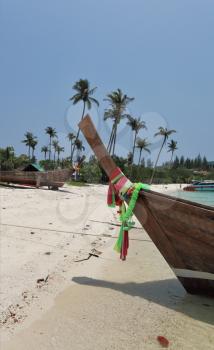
(34, 142)
(71, 137)
(9, 152)
(172, 146)
(118, 104)
(44, 150)
(79, 146)
(129, 158)
(165, 133)
(83, 93)
(52, 133)
(135, 124)
(29, 137)
(55, 144)
(143, 145)
(59, 149)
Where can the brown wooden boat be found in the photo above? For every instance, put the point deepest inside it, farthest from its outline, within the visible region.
(53, 179)
(183, 231)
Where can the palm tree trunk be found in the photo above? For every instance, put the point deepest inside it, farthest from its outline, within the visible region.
(133, 151)
(110, 139)
(153, 172)
(139, 157)
(50, 149)
(71, 150)
(77, 137)
(29, 152)
(171, 160)
(45, 155)
(115, 138)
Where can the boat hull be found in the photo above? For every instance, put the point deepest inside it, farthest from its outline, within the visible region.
(183, 231)
(199, 188)
(54, 179)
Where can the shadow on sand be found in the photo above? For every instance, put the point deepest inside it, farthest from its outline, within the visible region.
(168, 293)
(22, 187)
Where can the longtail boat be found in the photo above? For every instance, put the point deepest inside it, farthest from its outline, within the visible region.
(183, 231)
(53, 179)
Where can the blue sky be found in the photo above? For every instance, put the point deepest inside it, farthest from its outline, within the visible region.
(159, 51)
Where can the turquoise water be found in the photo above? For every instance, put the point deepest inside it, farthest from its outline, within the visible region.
(199, 197)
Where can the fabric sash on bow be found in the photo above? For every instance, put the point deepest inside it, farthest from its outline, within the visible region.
(120, 189)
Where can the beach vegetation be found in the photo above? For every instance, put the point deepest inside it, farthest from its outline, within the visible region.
(116, 112)
(30, 141)
(136, 124)
(71, 137)
(142, 145)
(91, 172)
(83, 93)
(172, 147)
(44, 150)
(165, 133)
(52, 133)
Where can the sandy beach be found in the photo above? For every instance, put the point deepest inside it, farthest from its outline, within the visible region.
(64, 287)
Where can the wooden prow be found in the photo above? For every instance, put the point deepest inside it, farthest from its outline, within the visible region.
(88, 129)
(146, 218)
(173, 225)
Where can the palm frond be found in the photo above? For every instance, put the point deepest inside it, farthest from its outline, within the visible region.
(94, 101)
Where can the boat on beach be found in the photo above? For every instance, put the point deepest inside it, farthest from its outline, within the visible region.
(206, 185)
(183, 231)
(53, 179)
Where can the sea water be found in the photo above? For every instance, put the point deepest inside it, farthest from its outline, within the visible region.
(203, 197)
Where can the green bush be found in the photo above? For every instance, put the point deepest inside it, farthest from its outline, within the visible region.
(91, 173)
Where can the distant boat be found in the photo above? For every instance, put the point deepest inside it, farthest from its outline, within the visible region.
(183, 231)
(53, 179)
(206, 185)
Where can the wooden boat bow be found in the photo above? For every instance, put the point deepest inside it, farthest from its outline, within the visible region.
(183, 231)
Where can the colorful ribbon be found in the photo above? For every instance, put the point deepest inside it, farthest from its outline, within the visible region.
(121, 188)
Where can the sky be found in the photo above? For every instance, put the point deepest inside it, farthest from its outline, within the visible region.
(159, 51)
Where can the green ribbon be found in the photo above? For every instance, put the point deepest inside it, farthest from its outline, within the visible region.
(125, 216)
(127, 213)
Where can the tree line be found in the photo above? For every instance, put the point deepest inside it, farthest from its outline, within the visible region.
(199, 163)
(117, 113)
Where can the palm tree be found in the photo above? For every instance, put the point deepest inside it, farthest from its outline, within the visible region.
(9, 152)
(84, 94)
(79, 146)
(59, 149)
(129, 158)
(172, 146)
(136, 124)
(34, 142)
(52, 133)
(28, 141)
(55, 145)
(165, 133)
(118, 103)
(143, 145)
(44, 150)
(71, 137)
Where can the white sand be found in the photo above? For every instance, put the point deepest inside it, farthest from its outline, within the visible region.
(42, 233)
(109, 304)
(168, 189)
